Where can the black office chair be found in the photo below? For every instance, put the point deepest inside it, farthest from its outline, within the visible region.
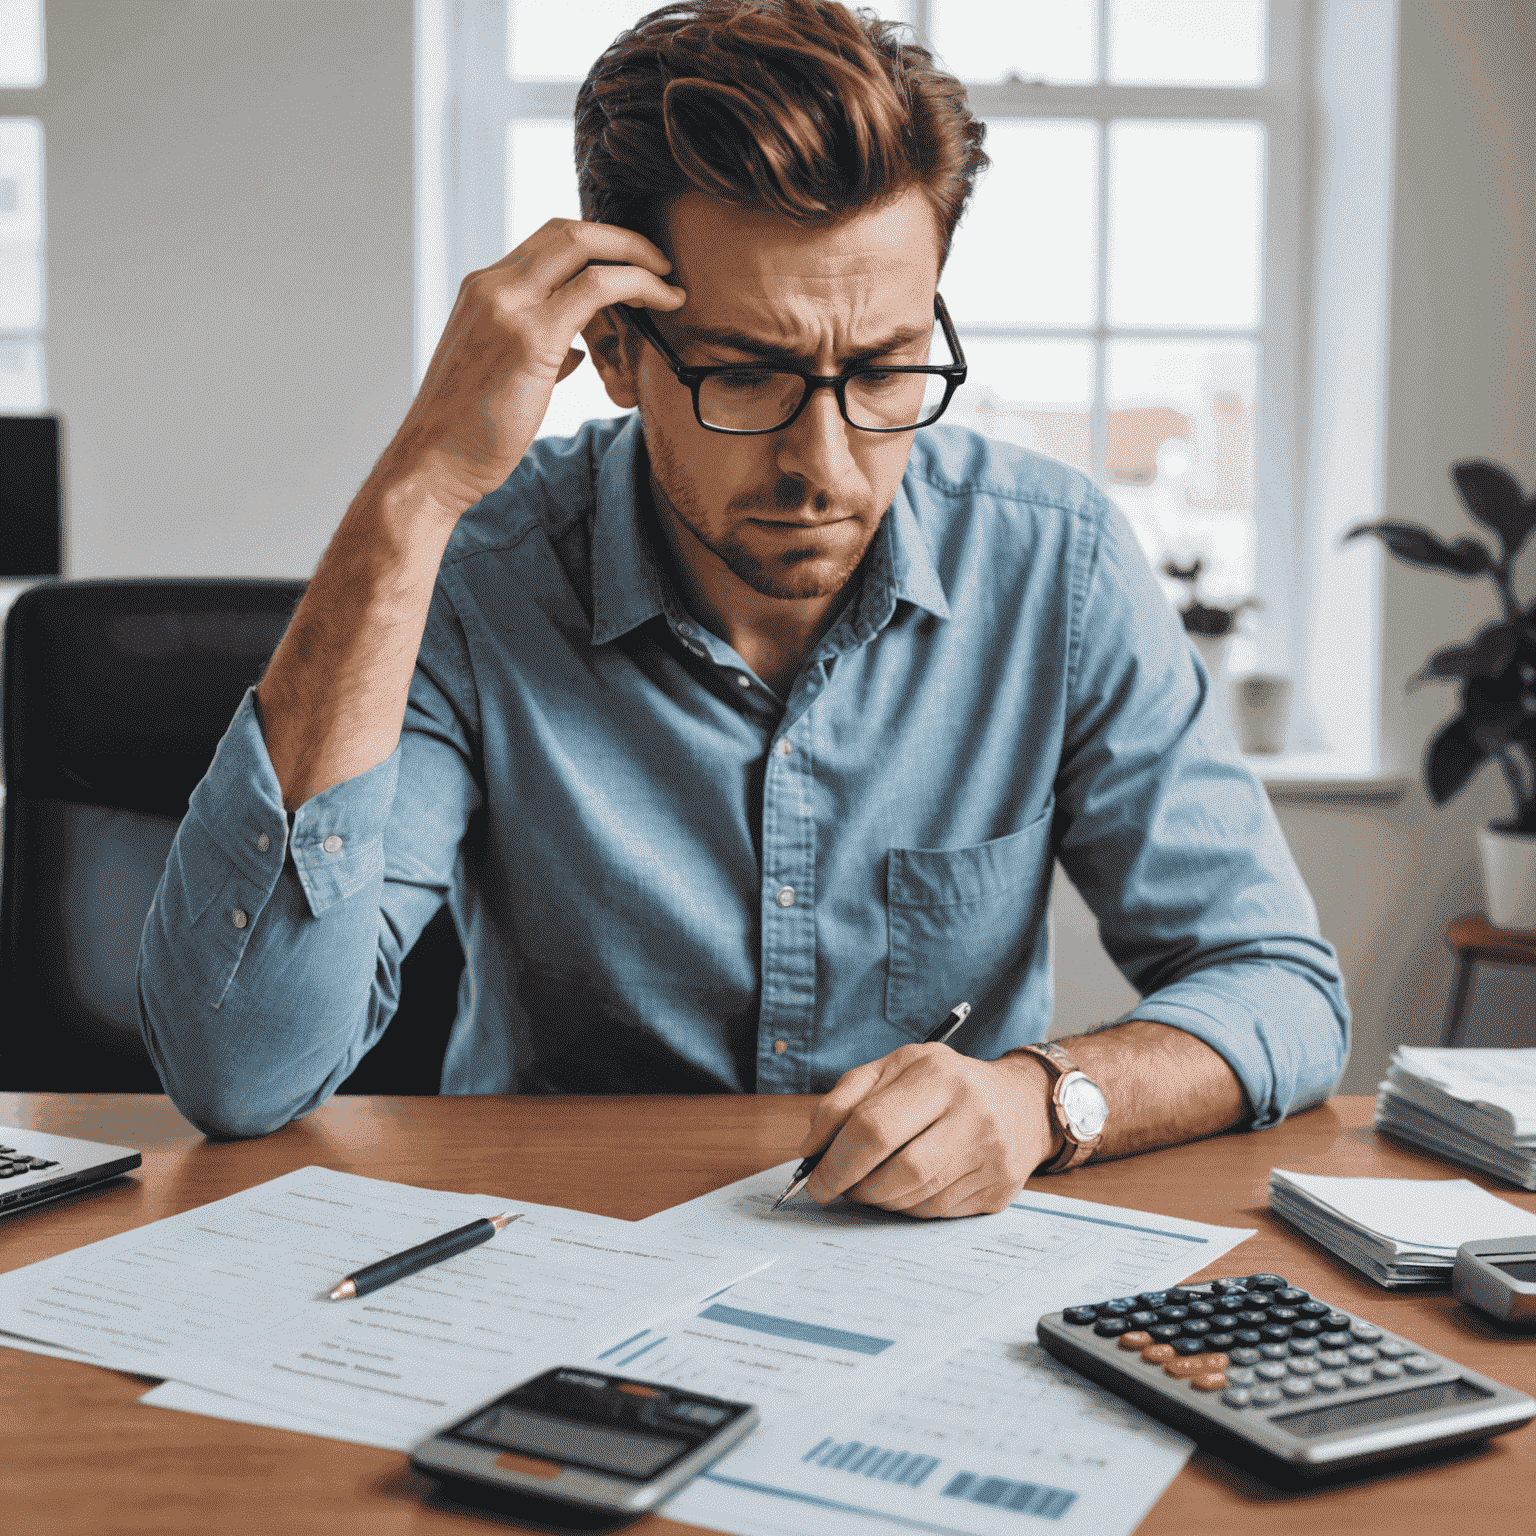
(115, 696)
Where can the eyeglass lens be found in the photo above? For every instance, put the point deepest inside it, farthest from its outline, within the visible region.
(758, 400)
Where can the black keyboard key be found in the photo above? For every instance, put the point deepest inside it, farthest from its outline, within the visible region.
(7, 1172)
(1220, 1341)
(1153, 1298)
(1201, 1309)
(37, 1162)
(1111, 1327)
(1166, 1333)
(1253, 1317)
(1173, 1314)
(1189, 1346)
(1248, 1337)
(1337, 1320)
(1080, 1315)
(1292, 1297)
(1313, 1309)
(1178, 1294)
(1283, 1314)
(1141, 1319)
(1196, 1327)
(1266, 1283)
(1117, 1308)
(1306, 1328)
(1224, 1320)
(1228, 1287)
(1275, 1333)
(1124, 1303)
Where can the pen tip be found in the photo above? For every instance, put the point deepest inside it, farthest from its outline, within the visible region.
(344, 1290)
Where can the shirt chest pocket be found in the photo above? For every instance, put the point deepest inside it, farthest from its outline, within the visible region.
(962, 921)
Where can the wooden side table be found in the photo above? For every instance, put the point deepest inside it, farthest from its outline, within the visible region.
(1474, 939)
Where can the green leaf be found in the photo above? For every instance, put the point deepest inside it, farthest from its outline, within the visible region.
(1487, 656)
(1493, 496)
(1452, 759)
(1418, 546)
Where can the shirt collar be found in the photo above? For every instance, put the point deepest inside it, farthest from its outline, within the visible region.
(628, 586)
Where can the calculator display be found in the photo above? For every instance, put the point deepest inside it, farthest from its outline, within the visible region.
(1523, 1270)
(1376, 1410)
(592, 1445)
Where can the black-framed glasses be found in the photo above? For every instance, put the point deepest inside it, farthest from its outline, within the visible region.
(751, 400)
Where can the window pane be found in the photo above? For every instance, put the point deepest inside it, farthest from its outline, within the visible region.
(1055, 41)
(1026, 252)
(21, 42)
(21, 224)
(1038, 394)
(1186, 223)
(561, 42)
(22, 389)
(541, 175)
(1187, 42)
(1180, 452)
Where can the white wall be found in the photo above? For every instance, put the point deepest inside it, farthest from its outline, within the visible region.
(229, 205)
(229, 210)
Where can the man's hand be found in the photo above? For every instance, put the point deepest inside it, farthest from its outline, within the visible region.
(505, 347)
(929, 1132)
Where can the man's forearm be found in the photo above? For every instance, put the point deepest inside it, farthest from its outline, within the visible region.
(1163, 1086)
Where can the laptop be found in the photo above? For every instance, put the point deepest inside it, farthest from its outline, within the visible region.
(36, 1166)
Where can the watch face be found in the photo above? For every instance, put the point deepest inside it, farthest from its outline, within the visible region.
(1084, 1103)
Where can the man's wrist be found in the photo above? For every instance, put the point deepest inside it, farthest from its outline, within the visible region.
(1041, 1087)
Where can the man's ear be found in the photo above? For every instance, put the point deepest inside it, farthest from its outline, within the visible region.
(614, 357)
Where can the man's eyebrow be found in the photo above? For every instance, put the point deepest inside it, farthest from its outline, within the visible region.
(770, 353)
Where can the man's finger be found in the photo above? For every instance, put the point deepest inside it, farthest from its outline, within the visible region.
(931, 1163)
(829, 1116)
(559, 249)
(883, 1122)
(571, 307)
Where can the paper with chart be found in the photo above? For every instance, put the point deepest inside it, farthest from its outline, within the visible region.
(231, 1297)
(995, 1431)
(859, 1300)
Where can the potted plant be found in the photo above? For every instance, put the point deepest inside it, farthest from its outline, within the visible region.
(1496, 670)
(1209, 628)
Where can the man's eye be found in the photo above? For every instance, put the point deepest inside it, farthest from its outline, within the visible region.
(743, 381)
(875, 378)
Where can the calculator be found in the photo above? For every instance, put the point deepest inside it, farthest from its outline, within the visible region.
(1262, 1371)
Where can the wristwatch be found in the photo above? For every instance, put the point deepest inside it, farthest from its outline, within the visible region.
(1078, 1104)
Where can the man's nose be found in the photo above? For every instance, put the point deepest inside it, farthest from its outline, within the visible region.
(816, 447)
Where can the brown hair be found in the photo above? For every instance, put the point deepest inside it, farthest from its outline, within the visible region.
(800, 107)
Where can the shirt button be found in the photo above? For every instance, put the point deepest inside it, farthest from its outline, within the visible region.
(238, 918)
(332, 844)
(263, 843)
(784, 747)
(786, 897)
(743, 680)
(780, 1046)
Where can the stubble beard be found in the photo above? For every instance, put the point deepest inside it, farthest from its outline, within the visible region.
(782, 577)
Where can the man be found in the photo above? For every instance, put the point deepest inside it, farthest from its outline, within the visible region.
(741, 737)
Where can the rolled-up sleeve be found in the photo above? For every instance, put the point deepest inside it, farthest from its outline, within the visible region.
(269, 964)
(1172, 842)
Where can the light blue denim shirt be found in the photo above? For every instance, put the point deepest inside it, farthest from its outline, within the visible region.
(669, 879)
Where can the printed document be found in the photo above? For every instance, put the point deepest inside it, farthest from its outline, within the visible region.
(232, 1297)
(995, 1430)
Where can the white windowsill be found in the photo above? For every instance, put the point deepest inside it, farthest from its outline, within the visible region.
(1292, 777)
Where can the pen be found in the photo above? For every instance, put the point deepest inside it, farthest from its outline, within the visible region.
(952, 1021)
(398, 1265)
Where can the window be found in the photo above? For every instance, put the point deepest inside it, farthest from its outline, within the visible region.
(1126, 282)
(21, 213)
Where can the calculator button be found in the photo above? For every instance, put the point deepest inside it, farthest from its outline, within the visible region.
(1118, 1308)
(1337, 1320)
(1387, 1369)
(1307, 1327)
(1228, 1287)
(1304, 1367)
(1359, 1376)
(1327, 1381)
(1393, 1349)
(1240, 1375)
(1224, 1320)
(1275, 1351)
(1220, 1340)
(1142, 1319)
(1265, 1283)
(1201, 1309)
(1364, 1332)
(1195, 1365)
(1156, 1354)
(1189, 1346)
(1253, 1317)
(1419, 1365)
(1265, 1395)
(1173, 1314)
(1237, 1397)
(1249, 1336)
(1333, 1359)
(1179, 1293)
(1166, 1331)
(1244, 1355)
(1271, 1370)
(1195, 1327)
(1135, 1339)
(1212, 1381)
(1361, 1354)
(1303, 1346)
(1291, 1296)
(1273, 1333)
(1283, 1314)
(1313, 1308)
(1079, 1315)
(1296, 1386)
(1335, 1340)
(1153, 1298)
(1111, 1327)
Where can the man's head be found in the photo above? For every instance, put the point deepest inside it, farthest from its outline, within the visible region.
(804, 168)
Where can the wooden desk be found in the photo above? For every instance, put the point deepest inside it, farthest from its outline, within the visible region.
(77, 1454)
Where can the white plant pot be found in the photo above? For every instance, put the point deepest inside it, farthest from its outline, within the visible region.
(1509, 878)
(1212, 650)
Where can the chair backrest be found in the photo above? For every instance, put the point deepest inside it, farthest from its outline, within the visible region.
(115, 695)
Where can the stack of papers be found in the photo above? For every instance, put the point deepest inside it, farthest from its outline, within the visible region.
(1478, 1107)
(1403, 1233)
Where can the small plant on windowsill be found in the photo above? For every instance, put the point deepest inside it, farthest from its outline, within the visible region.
(1209, 627)
(1496, 670)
